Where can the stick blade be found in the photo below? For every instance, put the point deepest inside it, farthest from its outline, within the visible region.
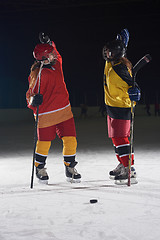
(147, 58)
(141, 63)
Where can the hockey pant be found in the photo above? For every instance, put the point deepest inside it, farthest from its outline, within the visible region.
(122, 149)
(69, 151)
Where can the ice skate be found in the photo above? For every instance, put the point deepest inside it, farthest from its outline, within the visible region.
(122, 178)
(116, 171)
(71, 173)
(42, 175)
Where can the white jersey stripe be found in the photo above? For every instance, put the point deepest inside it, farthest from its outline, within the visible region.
(53, 110)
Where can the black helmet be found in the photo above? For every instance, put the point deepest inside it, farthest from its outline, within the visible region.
(114, 50)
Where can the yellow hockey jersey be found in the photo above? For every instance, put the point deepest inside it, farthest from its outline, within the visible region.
(117, 81)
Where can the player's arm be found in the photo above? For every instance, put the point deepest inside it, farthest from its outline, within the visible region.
(123, 73)
(45, 39)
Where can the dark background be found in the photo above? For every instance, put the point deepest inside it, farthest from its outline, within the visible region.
(79, 29)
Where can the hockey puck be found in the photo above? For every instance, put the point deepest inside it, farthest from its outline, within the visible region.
(93, 201)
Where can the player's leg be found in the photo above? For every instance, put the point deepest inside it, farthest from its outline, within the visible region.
(123, 150)
(66, 131)
(45, 136)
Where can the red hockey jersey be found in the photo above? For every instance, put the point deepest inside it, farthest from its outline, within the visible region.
(56, 106)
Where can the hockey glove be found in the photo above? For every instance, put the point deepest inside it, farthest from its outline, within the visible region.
(36, 100)
(124, 37)
(134, 94)
(43, 38)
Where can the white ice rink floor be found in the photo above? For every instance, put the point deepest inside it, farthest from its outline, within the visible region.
(60, 210)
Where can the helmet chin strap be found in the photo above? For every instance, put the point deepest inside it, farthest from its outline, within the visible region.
(51, 61)
(46, 63)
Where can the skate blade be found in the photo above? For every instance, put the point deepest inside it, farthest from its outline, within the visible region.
(111, 177)
(125, 182)
(43, 182)
(73, 180)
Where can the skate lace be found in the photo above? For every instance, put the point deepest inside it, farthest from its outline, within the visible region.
(118, 167)
(73, 171)
(42, 172)
(124, 171)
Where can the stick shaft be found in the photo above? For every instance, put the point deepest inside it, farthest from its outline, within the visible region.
(34, 149)
(35, 131)
(141, 63)
(131, 144)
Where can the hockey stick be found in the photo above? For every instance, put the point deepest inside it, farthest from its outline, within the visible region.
(36, 124)
(141, 63)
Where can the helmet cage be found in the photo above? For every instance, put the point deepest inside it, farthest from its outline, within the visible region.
(114, 50)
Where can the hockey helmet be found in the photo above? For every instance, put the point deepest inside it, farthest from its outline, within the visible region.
(42, 51)
(114, 50)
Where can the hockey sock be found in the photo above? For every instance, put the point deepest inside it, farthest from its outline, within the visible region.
(123, 149)
(42, 149)
(116, 152)
(69, 149)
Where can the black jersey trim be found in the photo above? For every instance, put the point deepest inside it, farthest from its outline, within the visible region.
(119, 113)
(123, 73)
(49, 66)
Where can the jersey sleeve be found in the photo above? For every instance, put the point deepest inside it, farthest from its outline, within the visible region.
(59, 58)
(123, 73)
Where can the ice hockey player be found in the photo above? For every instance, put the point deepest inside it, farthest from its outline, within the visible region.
(55, 114)
(118, 96)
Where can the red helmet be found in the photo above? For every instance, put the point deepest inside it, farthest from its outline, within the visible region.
(42, 51)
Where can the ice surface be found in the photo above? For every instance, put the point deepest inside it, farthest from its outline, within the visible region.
(61, 210)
